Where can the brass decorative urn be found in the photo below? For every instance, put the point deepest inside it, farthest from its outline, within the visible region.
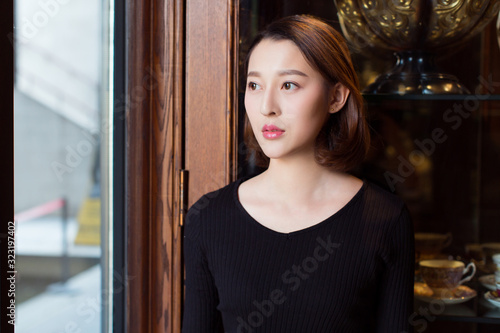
(415, 30)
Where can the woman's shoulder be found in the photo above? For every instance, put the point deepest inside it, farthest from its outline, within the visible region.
(382, 201)
(381, 192)
(209, 204)
(211, 199)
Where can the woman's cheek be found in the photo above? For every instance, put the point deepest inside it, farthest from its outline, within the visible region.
(251, 105)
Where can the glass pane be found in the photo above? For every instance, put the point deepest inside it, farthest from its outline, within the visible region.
(60, 102)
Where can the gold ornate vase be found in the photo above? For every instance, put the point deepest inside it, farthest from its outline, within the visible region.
(415, 30)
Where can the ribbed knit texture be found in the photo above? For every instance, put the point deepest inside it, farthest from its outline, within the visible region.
(352, 272)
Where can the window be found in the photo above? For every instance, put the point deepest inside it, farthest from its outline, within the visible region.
(63, 170)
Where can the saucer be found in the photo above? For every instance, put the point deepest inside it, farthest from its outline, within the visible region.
(460, 295)
(488, 281)
(492, 299)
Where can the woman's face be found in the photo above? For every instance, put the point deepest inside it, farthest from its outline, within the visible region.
(287, 101)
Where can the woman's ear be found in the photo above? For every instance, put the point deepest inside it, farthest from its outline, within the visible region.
(338, 97)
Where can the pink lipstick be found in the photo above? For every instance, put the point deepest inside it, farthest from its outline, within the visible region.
(272, 132)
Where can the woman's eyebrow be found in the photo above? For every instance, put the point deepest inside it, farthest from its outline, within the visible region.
(291, 72)
(256, 74)
(281, 73)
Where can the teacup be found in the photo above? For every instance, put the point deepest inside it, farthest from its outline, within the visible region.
(475, 251)
(496, 260)
(445, 275)
(489, 250)
(431, 243)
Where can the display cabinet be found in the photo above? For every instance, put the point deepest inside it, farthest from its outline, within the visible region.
(439, 151)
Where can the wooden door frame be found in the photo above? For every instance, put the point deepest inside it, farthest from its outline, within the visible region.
(154, 119)
(181, 113)
(211, 94)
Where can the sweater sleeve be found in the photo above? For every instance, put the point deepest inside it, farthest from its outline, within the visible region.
(201, 297)
(395, 303)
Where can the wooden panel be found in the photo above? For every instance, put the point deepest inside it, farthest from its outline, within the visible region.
(154, 157)
(177, 50)
(7, 153)
(137, 172)
(210, 95)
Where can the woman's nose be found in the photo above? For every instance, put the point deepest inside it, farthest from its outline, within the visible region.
(270, 105)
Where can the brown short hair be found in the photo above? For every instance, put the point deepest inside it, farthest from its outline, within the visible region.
(344, 139)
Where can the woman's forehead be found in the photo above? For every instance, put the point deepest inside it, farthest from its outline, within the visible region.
(274, 56)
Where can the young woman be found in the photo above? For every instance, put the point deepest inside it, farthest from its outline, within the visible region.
(303, 246)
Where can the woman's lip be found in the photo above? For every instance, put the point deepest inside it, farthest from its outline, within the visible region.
(272, 131)
(271, 128)
(272, 134)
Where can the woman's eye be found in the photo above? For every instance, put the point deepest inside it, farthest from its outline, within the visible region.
(253, 86)
(289, 86)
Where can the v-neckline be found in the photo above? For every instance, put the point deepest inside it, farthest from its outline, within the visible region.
(299, 231)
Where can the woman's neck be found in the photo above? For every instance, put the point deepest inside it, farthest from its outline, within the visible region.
(301, 180)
